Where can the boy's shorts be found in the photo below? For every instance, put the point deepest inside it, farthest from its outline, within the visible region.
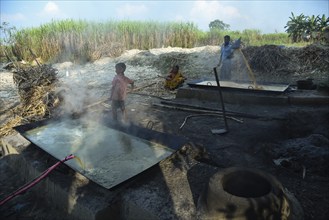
(118, 104)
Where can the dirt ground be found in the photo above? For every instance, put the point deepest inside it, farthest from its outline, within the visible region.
(289, 142)
(285, 141)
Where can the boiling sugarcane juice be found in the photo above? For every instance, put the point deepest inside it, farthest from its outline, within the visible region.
(104, 155)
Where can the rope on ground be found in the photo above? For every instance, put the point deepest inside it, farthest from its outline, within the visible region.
(201, 115)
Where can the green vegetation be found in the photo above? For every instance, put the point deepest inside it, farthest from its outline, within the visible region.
(301, 26)
(81, 41)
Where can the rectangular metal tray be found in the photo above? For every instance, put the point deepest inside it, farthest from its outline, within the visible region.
(107, 155)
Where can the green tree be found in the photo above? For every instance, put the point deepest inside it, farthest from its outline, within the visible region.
(7, 33)
(311, 25)
(218, 25)
(323, 22)
(296, 26)
(324, 28)
(7, 42)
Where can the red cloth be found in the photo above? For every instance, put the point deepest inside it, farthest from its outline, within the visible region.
(119, 87)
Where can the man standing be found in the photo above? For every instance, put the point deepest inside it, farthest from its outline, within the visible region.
(226, 54)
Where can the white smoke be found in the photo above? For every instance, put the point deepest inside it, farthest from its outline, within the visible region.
(82, 86)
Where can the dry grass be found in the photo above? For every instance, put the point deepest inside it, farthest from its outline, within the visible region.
(36, 89)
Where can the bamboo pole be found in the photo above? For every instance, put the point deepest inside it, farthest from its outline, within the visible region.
(251, 74)
(106, 99)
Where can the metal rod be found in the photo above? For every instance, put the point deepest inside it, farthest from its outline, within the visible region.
(221, 99)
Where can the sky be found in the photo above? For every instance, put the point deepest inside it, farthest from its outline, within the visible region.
(268, 16)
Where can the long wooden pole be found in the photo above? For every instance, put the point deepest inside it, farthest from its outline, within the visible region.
(251, 74)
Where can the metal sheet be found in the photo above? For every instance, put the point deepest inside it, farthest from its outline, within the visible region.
(107, 156)
(243, 85)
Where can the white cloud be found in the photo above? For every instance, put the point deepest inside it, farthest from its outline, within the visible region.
(203, 12)
(211, 10)
(12, 17)
(51, 7)
(129, 10)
